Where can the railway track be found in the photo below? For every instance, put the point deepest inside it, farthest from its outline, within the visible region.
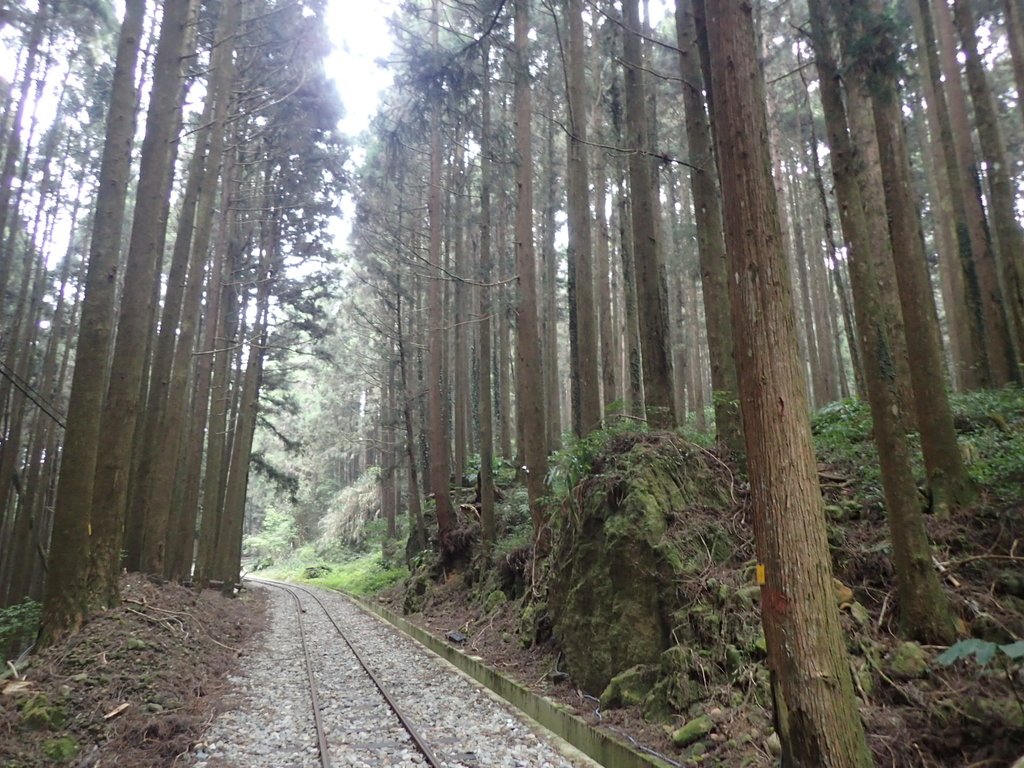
(384, 727)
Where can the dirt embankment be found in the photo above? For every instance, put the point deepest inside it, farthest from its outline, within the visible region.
(135, 687)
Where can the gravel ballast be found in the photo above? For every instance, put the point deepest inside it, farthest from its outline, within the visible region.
(267, 720)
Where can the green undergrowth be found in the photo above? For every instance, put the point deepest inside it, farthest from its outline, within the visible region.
(18, 625)
(362, 575)
(989, 425)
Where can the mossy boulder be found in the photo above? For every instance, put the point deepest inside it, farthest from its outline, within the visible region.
(534, 622)
(415, 593)
(627, 689)
(679, 683)
(494, 600)
(617, 558)
(692, 731)
(908, 662)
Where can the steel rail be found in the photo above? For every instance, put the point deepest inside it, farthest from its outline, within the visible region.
(321, 735)
(418, 740)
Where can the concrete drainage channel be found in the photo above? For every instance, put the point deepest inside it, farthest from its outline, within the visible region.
(605, 749)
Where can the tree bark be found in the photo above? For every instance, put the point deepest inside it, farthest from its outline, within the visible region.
(548, 296)
(583, 332)
(820, 722)
(418, 533)
(529, 372)
(710, 239)
(436, 397)
(221, 339)
(655, 343)
(67, 584)
(924, 607)
(145, 253)
(486, 397)
(632, 354)
(947, 477)
(1002, 197)
(989, 334)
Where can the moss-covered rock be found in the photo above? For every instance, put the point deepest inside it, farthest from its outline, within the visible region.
(908, 662)
(494, 601)
(627, 689)
(534, 623)
(679, 683)
(617, 560)
(694, 730)
(415, 593)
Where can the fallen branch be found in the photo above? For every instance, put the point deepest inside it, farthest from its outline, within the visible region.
(117, 710)
(961, 561)
(945, 572)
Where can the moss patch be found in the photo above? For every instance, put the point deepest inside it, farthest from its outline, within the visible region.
(39, 714)
(60, 750)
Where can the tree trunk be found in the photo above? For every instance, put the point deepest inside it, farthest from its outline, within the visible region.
(461, 329)
(924, 607)
(583, 332)
(653, 319)
(417, 534)
(710, 239)
(145, 252)
(820, 722)
(1002, 197)
(436, 395)
(548, 296)
(220, 343)
(529, 371)
(12, 152)
(611, 386)
(486, 397)
(229, 538)
(944, 213)
(989, 338)
(67, 584)
(947, 476)
(631, 352)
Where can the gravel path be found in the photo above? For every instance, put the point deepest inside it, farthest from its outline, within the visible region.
(268, 721)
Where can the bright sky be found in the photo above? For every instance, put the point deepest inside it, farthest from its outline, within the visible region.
(360, 34)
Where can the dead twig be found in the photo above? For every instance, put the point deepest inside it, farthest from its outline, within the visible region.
(961, 561)
(945, 572)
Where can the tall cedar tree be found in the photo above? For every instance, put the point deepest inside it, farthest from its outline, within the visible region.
(820, 724)
(586, 394)
(924, 607)
(436, 397)
(65, 604)
(529, 372)
(655, 340)
(1002, 191)
(948, 481)
(710, 239)
(142, 270)
(487, 522)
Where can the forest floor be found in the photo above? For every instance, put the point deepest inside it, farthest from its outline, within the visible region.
(919, 710)
(136, 687)
(917, 713)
